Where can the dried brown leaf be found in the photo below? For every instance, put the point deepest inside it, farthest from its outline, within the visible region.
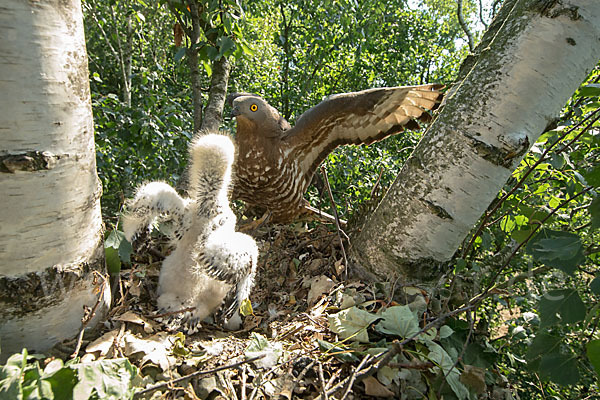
(374, 388)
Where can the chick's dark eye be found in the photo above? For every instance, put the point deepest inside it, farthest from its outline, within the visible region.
(253, 107)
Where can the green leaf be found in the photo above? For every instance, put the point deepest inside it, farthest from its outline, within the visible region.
(342, 353)
(591, 90)
(257, 343)
(62, 379)
(592, 176)
(557, 249)
(542, 343)
(445, 331)
(180, 54)
(593, 354)
(352, 323)
(226, 46)
(562, 306)
(106, 379)
(442, 359)
(116, 240)
(246, 49)
(113, 262)
(460, 265)
(399, 321)
(595, 285)
(595, 212)
(559, 368)
(10, 377)
(520, 235)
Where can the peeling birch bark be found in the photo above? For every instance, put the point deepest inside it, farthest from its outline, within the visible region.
(50, 221)
(529, 64)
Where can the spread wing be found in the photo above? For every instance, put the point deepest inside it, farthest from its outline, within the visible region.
(359, 118)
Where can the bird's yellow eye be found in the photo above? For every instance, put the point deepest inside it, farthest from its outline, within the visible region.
(253, 107)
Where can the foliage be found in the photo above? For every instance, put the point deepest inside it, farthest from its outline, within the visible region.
(532, 265)
(331, 47)
(146, 140)
(542, 308)
(22, 377)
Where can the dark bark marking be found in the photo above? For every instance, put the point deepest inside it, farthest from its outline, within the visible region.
(34, 291)
(554, 9)
(30, 161)
(497, 155)
(437, 210)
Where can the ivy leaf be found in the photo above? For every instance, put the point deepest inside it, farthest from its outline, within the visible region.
(561, 306)
(399, 321)
(61, 378)
(352, 323)
(593, 354)
(560, 368)
(557, 249)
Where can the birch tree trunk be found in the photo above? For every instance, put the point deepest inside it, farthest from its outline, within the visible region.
(532, 59)
(50, 223)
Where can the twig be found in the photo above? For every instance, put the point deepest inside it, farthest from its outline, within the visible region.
(273, 369)
(89, 315)
(353, 376)
(322, 378)
(419, 365)
(243, 383)
(491, 286)
(151, 389)
(376, 185)
(542, 158)
(337, 220)
(171, 313)
(301, 375)
(462, 353)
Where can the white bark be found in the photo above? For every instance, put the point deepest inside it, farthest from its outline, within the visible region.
(50, 221)
(523, 77)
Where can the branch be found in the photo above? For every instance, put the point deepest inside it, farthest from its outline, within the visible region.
(337, 220)
(464, 26)
(151, 389)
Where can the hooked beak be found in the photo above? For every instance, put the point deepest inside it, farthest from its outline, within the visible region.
(234, 112)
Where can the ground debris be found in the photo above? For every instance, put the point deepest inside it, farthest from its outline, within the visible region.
(311, 334)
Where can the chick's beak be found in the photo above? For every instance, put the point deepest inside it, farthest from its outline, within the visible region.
(235, 111)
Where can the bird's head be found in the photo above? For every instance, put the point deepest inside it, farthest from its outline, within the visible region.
(256, 115)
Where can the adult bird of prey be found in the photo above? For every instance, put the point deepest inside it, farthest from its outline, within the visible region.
(276, 162)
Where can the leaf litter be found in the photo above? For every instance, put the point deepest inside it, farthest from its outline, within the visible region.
(308, 333)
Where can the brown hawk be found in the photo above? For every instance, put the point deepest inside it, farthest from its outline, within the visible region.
(276, 162)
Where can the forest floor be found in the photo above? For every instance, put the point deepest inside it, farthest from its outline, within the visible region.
(300, 282)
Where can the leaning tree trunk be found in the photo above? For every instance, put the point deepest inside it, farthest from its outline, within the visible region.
(50, 223)
(531, 62)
